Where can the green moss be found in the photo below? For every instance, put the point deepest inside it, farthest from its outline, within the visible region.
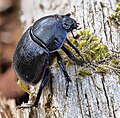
(84, 72)
(118, 80)
(89, 46)
(115, 61)
(95, 53)
(24, 88)
(115, 16)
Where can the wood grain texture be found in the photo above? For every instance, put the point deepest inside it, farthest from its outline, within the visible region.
(93, 96)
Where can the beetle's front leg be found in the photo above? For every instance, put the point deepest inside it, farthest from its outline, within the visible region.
(76, 50)
(59, 60)
(72, 57)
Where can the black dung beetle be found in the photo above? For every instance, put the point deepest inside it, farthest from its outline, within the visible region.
(37, 46)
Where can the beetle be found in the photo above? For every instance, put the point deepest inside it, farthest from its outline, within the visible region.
(37, 46)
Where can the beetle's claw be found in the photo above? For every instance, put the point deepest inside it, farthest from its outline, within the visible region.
(68, 80)
(67, 86)
(25, 106)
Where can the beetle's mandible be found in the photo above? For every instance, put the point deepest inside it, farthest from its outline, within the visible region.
(32, 56)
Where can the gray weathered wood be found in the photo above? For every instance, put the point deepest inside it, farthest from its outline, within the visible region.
(94, 96)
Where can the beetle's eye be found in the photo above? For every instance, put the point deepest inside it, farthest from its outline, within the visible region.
(66, 26)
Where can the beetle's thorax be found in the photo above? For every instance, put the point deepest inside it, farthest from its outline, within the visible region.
(49, 33)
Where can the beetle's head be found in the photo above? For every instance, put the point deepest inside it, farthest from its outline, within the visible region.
(68, 23)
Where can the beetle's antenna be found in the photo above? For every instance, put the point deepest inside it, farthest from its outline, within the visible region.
(78, 26)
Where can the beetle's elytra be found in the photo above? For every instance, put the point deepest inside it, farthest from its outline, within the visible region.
(32, 56)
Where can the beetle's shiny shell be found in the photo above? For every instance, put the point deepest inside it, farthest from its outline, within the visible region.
(50, 32)
(30, 60)
(45, 37)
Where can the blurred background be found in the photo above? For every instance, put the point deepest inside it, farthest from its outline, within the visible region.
(10, 32)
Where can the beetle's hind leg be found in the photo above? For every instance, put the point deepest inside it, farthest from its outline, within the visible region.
(72, 57)
(60, 63)
(42, 85)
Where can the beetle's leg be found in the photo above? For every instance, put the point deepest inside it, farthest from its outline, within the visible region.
(72, 57)
(75, 37)
(43, 83)
(59, 60)
(76, 50)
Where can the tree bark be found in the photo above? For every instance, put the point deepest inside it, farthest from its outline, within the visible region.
(93, 96)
